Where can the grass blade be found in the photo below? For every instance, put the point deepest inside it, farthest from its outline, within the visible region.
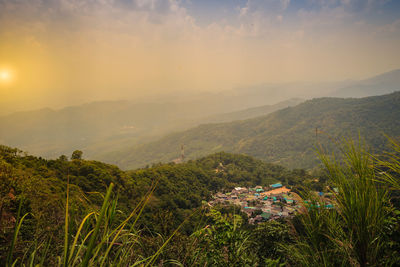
(92, 240)
(14, 240)
(77, 235)
(65, 258)
(45, 252)
(16, 231)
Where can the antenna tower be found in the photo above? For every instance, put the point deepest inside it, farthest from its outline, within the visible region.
(182, 152)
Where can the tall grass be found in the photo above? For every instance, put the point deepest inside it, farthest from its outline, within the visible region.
(352, 233)
(389, 166)
(311, 233)
(96, 241)
(66, 226)
(18, 224)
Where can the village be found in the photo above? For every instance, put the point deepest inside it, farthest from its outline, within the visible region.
(260, 203)
(266, 203)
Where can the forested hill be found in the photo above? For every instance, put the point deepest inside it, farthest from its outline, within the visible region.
(41, 185)
(287, 137)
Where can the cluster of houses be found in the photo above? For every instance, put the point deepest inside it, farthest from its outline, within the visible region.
(260, 203)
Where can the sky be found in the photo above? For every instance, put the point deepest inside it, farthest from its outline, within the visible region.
(58, 53)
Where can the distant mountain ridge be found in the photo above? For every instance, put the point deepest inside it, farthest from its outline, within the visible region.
(103, 126)
(385, 83)
(288, 136)
(252, 112)
(100, 128)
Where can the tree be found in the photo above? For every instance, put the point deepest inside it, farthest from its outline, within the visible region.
(77, 154)
(63, 158)
(223, 243)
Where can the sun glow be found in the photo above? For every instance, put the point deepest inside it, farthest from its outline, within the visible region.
(5, 76)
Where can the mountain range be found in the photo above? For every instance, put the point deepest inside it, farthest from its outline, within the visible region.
(288, 136)
(113, 130)
(104, 126)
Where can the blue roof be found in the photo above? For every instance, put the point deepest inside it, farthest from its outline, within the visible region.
(276, 185)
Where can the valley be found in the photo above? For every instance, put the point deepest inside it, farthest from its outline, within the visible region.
(289, 137)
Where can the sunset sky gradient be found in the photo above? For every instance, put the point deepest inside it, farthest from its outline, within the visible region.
(71, 51)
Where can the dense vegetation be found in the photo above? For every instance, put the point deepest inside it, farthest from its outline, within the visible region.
(286, 137)
(160, 219)
(40, 185)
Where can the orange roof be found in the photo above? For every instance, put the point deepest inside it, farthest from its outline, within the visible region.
(277, 191)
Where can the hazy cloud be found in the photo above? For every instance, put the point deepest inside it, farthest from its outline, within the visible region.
(71, 50)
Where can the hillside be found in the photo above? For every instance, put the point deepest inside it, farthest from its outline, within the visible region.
(106, 126)
(287, 136)
(41, 186)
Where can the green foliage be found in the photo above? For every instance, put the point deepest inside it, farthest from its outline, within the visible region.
(313, 243)
(94, 235)
(41, 185)
(77, 154)
(362, 204)
(98, 241)
(182, 187)
(222, 243)
(352, 234)
(389, 166)
(161, 221)
(17, 228)
(268, 237)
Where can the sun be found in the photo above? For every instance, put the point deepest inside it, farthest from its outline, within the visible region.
(5, 76)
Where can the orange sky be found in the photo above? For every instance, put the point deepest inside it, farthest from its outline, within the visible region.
(68, 52)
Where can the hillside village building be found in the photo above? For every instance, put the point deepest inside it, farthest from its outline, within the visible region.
(260, 203)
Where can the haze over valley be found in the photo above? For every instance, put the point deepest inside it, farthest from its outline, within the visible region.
(124, 124)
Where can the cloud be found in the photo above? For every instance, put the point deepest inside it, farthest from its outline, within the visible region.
(351, 5)
(115, 48)
(265, 6)
(390, 29)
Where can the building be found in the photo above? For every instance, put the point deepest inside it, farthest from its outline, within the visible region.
(275, 186)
